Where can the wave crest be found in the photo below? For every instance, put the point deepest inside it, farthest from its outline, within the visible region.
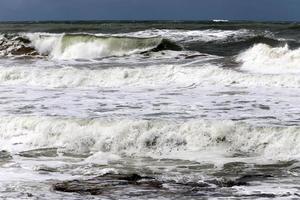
(82, 46)
(263, 58)
(167, 139)
(157, 75)
(91, 46)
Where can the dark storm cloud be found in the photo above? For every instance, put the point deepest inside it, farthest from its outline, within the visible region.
(149, 9)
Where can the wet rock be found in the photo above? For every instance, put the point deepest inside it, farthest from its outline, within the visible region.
(261, 106)
(44, 152)
(151, 142)
(3, 46)
(82, 187)
(76, 155)
(132, 178)
(29, 195)
(107, 183)
(144, 185)
(194, 185)
(253, 177)
(194, 56)
(167, 45)
(16, 45)
(23, 40)
(221, 139)
(4, 155)
(23, 50)
(242, 181)
(45, 169)
(262, 195)
(228, 182)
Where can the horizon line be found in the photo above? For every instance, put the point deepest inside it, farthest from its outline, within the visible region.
(149, 20)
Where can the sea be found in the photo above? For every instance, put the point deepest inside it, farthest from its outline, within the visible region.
(149, 110)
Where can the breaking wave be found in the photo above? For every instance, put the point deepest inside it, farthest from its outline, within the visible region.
(263, 58)
(188, 36)
(156, 138)
(156, 75)
(92, 46)
(82, 46)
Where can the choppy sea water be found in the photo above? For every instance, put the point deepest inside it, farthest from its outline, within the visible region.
(149, 110)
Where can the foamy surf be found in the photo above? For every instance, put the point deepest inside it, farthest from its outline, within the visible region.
(199, 75)
(193, 35)
(262, 58)
(154, 138)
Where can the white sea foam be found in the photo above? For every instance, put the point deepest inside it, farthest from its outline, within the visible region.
(44, 43)
(192, 35)
(189, 140)
(262, 58)
(102, 158)
(157, 75)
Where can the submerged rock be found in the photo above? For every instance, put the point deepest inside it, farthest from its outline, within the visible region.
(142, 185)
(254, 177)
(22, 39)
(5, 155)
(98, 185)
(194, 56)
(229, 183)
(43, 152)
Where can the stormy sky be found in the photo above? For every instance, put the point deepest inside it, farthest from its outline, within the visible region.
(21, 10)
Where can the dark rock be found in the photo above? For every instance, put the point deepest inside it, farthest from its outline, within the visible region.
(221, 139)
(144, 185)
(17, 45)
(242, 181)
(45, 169)
(29, 195)
(167, 45)
(77, 186)
(23, 50)
(106, 183)
(132, 178)
(151, 142)
(195, 184)
(4, 155)
(194, 56)
(44, 152)
(262, 195)
(253, 177)
(3, 46)
(228, 183)
(23, 40)
(264, 107)
(261, 106)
